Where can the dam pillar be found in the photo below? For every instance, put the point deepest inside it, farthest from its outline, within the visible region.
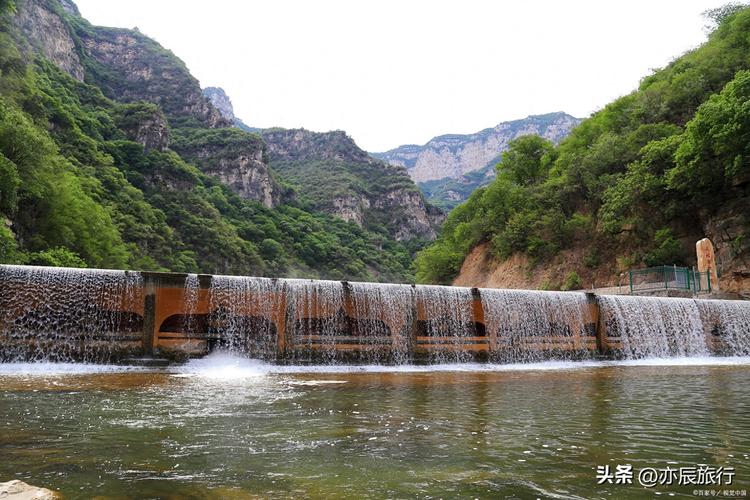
(477, 311)
(594, 326)
(413, 327)
(704, 250)
(281, 314)
(149, 313)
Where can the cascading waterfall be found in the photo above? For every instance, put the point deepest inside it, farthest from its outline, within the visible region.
(449, 325)
(63, 314)
(654, 327)
(96, 315)
(316, 318)
(240, 311)
(383, 317)
(530, 326)
(192, 289)
(729, 322)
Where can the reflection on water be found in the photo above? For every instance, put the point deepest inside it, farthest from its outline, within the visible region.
(233, 427)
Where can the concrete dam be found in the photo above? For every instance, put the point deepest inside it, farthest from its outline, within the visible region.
(63, 314)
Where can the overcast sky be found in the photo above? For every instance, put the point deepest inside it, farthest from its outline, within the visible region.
(398, 72)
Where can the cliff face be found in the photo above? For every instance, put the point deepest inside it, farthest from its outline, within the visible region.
(727, 230)
(221, 101)
(450, 167)
(129, 66)
(235, 157)
(341, 179)
(455, 155)
(45, 30)
(132, 68)
(145, 124)
(116, 159)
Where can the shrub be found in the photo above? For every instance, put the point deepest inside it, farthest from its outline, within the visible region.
(572, 282)
(667, 250)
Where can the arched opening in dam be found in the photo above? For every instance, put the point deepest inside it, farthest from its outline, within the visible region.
(105, 316)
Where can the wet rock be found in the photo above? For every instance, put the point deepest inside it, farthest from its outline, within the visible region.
(18, 490)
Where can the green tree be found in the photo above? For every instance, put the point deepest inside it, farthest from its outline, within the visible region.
(527, 160)
(57, 257)
(716, 149)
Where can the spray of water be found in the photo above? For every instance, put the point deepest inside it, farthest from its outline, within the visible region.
(534, 326)
(654, 327)
(59, 314)
(728, 322)
(63, 314)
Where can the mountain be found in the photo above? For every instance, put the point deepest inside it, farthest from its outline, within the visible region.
(111, 156)
(634, 185)
(450, 167)
(331, 174)
(339, 178)
(221, 101)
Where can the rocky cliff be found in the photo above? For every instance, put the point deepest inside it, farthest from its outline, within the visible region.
(449, 167)
(111, 157)
(159, 90)
(455, 155)
(45, 30)
(235, 157)
(727, 230)
(145, 124)
(221, 101)
(339, 178)
(128, 66)
(125, 64)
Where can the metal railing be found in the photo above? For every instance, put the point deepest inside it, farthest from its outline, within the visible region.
(669, 278)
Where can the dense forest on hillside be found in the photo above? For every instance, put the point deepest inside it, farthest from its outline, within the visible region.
(634, 183)
(79, 186)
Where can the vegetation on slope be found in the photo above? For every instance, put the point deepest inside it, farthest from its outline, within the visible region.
(640, 174)
(75, 191)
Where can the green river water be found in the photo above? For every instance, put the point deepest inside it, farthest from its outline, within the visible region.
(229, 428)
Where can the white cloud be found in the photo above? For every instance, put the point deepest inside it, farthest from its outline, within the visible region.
(391, 72)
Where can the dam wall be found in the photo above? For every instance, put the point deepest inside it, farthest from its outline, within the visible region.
(106, 316)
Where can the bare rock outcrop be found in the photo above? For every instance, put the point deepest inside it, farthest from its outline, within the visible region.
(48, 34)
(18, 490)
(727, 231)
(235, 157)
(451, 156)
(144, 123)
(343, 180)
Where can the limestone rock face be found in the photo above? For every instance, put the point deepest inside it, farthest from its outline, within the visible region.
(455, 155)
(343, 180)
(221, 101)
(236, 158)
(412, 217)
(149, 128)
(49, 35)
(351, 208)
(18, 490)
(139, 69)
(726, 229)
(70, 7)
(248, 176)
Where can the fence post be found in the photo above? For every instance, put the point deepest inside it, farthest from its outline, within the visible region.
(664, 274)
(630, 278)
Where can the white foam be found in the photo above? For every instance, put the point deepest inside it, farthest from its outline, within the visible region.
(47, 368)
(223, 365)
(687, 361)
